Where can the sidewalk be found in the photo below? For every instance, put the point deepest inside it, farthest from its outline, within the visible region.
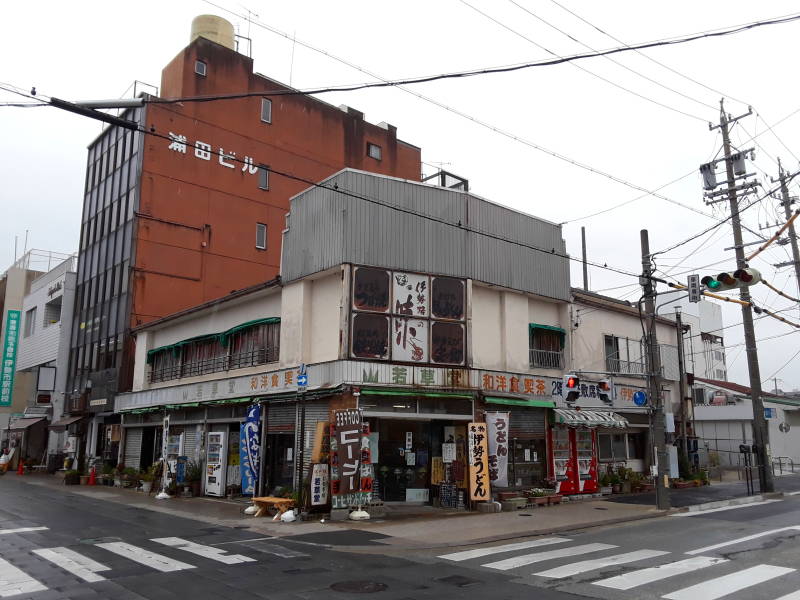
(429, 529)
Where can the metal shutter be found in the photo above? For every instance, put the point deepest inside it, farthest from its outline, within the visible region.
(527, 423)
(190, 442)
(316, 412)
(281, 417)
(133, 447)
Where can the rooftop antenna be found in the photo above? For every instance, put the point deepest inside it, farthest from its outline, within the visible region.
(291, 63)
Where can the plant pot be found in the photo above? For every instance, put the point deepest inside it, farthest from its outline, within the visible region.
(616, 488)
(556, 499)
(606, 490)
(626, 487)
(117, 482)
(147, 486)
(196, 488)
(72, 480)
(648, 487)
(84, 479)
(540, 500)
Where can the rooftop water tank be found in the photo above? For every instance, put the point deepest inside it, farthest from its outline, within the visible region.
(213, 28)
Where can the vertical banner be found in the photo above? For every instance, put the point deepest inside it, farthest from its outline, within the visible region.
(497, 424)
(478, 463)
(319, 484)
(250, 448)
(352, 473)
(9, 358)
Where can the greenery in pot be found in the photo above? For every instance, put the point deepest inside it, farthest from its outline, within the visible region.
(72, 477)
(194, 471)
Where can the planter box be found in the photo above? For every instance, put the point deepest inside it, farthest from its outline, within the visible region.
(84, 479)
(679, 485)
(554, 499)
(540, 500)
(503, 496)
(606, 490)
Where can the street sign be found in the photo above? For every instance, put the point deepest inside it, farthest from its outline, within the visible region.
(640, 398)
(302, 378)
(695, 291)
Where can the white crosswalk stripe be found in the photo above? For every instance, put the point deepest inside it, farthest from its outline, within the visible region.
(144, 557)
(585, 566)
(22, 530)
(15, 581)
(217, 554)
(634, 579)
(479, 552)
(527, 559)
(792, 596)
(728, 584)
(77, 564)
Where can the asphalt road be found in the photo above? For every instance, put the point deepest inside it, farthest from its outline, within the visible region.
(57, 545)
(742, 553)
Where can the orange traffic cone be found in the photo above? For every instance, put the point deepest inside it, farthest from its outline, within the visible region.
(21, 468)
(93, 477)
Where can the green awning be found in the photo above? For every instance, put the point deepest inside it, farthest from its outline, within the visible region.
(144, 411)
(521, 402)
(396, 392)
(558, 330)
(223, 337)
(230, 401)
(181, 406)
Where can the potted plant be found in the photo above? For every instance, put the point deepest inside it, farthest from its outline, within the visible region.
(129, 476)
(605, 484)
(84, 479)
(539, 497)
(72, 477)
(616, 485)
(146, 478)
(194, 476)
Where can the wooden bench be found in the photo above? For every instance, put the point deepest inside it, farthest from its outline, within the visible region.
(265, 503)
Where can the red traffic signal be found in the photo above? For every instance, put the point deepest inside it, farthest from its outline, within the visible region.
(571, 382)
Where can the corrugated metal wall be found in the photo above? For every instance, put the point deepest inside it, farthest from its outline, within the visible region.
(190, 442)
(327, 228)
(316, 412)
(526, 423)
(281, 418)
(133, 447)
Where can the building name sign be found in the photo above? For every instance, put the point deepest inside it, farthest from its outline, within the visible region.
(204, 151)
(9, 357)
(56, 287)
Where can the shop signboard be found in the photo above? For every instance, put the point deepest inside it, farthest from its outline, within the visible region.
(497, 425)
(517, 384)
(319, 484)
(9, 358)
(249, 449)
(478, 462)
(448, 452)
(352, 470)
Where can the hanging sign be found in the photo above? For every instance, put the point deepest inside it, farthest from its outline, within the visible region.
(497, 424)
(478, 464)
(249, 449)
(9, 357)
(352, 472)
(448, 452)
(319, 484)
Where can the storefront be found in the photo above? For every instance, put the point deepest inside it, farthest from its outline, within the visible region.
(418, 444)
(573, 445)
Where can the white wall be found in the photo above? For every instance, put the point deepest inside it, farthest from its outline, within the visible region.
(310, 319)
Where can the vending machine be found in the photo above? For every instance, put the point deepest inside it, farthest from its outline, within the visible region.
(573, 459)
(216, 462)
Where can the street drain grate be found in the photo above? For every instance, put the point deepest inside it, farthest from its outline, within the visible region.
(458, 580)
(358, 587)
(525, 515)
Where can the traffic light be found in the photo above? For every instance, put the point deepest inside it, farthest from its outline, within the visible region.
(572, 388)
(729, 281)
(605, 391)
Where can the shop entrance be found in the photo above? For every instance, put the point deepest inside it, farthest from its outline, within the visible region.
(151, 446)
(280, 460)
(403, 464)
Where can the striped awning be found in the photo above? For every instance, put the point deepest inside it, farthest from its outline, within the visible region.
(589, 418)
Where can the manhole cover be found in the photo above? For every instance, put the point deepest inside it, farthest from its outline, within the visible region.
(358, 587)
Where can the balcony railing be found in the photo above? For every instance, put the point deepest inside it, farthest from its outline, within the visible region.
(625, 367)
(547, 359)
(216, 364)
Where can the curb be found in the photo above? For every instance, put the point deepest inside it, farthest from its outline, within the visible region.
(731, 502)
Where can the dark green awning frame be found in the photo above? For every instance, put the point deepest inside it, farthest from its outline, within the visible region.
(559, 330)
(410, 392)
(223, 337)
(520, 402)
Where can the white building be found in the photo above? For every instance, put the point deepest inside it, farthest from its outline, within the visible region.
(44, 345)
(704, 342)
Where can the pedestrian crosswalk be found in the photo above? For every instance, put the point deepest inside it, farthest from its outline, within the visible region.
(87, 563)
(673, 577)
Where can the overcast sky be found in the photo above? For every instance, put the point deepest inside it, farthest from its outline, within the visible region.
(580, 111)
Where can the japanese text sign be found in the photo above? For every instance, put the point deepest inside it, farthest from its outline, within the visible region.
(9, 358)
(478, 462)
(497, 424)
(319, 484)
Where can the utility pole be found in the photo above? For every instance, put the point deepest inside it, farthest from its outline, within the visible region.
(658, 424)
(787, 203)
(682, 382)
(585, 266)
(760, 432)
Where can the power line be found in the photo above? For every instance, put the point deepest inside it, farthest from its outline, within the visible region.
(786, 364)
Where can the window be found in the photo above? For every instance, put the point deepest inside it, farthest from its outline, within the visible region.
(52, 312)
(612, 446)
(624, 355)
(200, 68)
(266, 110)
(261, 236)
(546, 347)
(30, 322)
(263, 177)
(374, 151)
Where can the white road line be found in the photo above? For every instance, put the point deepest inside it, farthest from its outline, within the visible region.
(792, 596)
(728, 584)
(527, 559)
(14, 581)
(145, 557)
(478, 552)
(791, 493)
(274, 549)
(634, 579)
(22, 530)
(217, 554)
(743, 539)
(700, 513)
(584, 566)
(77, 564)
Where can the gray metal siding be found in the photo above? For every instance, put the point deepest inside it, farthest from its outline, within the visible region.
(526, 423)
(328, 228)
(281, 418)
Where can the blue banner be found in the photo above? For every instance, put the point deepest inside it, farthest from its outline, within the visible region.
(250, 448)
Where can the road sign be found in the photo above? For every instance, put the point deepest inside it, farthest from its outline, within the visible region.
(640, 398)
(302, 377)
(695, 291)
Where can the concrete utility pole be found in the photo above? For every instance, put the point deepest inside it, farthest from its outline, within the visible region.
(585, 266)
(682, 382)
(658, 437)
(786, 202)
(760, 431)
